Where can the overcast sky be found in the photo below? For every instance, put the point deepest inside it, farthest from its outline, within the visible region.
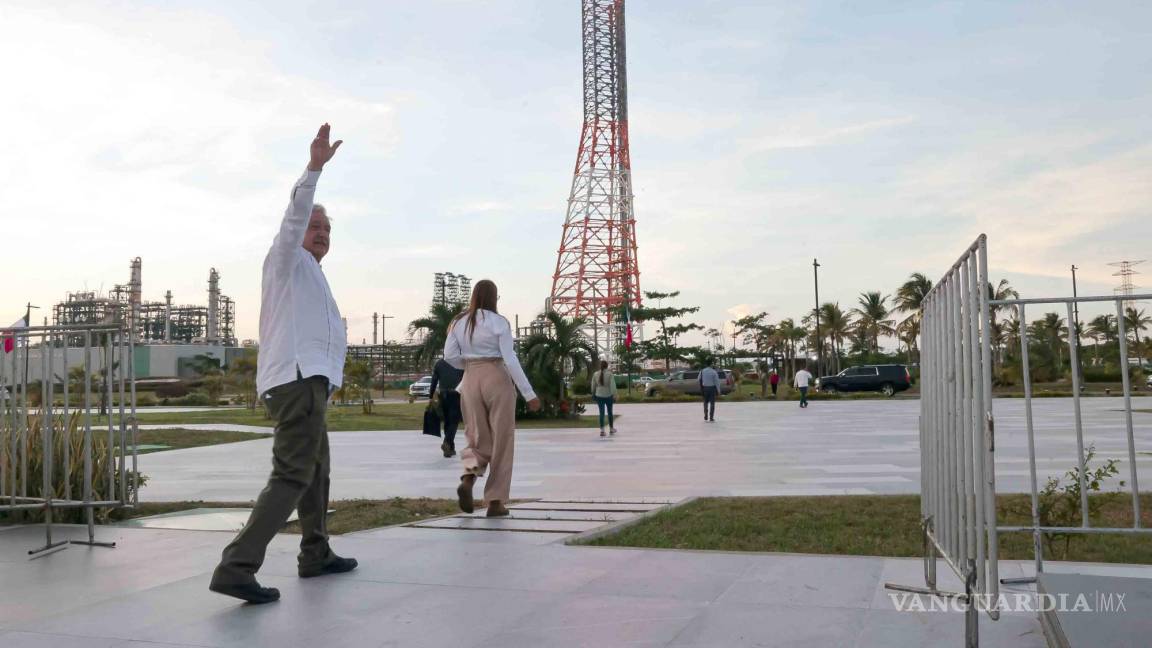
(881, 137)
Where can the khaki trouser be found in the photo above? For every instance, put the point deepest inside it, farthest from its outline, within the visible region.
(299, 480)
(488, 399)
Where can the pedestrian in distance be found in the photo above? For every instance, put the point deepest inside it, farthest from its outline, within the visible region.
(710, 390)
(774, 381)
(803, 379)
(447, 378)
(299, 365)
(604, 392)
(480, 342)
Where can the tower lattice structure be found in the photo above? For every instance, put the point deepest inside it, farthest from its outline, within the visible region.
(1126, 287)
(596, 267)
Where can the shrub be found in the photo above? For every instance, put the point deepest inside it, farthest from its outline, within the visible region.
(1102, 374)
(581, 385)
(1059, 501)
(68, 432)
(194, 399)
(171, 390)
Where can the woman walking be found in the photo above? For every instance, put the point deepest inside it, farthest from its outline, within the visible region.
(480, 342)
(604, 391)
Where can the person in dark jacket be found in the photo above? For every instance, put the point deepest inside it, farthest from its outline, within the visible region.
(447, 378)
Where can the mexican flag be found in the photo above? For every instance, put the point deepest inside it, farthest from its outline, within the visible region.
(9, 338)
(627, 327)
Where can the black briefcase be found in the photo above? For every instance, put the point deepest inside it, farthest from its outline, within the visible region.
(431, 422)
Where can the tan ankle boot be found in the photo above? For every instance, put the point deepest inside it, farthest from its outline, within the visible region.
(464, 493)
(497, 509)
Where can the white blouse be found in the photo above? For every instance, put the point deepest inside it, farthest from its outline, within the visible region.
(492, 338)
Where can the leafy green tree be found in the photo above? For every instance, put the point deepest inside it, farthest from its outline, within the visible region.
(358, 376)
(663, 347)
(699, 356)
(242, 377)
(211, 376)
(434, 326)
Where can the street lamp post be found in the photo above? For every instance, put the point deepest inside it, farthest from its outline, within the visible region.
(819, 339)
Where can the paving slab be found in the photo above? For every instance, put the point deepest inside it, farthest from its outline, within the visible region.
(664, 452)
(421, 587)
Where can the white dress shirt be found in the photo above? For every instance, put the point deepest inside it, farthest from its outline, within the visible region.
(300, 326)
(492, 338)
(803, 378)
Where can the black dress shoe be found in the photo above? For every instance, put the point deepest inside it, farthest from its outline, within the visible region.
(337, 565)
(446, 449)
(249, 592)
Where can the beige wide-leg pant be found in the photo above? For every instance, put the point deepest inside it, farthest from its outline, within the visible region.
(488, 399)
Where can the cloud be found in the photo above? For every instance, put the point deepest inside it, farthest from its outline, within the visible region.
(164, 134)
(795, 136)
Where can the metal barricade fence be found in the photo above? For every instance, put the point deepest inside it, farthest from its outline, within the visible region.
(1037, 528)
(87, 460)
(957, 444)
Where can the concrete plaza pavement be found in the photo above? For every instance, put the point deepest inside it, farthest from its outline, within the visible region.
(669, 451)
(423, 587)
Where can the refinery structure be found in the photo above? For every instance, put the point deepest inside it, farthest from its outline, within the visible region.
(170, 338)
(154, 322)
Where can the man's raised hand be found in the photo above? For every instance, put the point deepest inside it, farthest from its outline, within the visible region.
(321, 150)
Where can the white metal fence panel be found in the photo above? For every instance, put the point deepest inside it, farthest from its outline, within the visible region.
(83, 442)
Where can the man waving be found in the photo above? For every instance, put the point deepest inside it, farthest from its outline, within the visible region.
(301, 361)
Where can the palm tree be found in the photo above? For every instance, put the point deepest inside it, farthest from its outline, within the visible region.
(910, 299)
(872, 317)
(1009, 334)
(1136, 321)
(435, 327)
(1051, 332)
(790, 335)
(560, 351)
(1003, 291)
(1102, 327)
(837, 324)
(910, 295)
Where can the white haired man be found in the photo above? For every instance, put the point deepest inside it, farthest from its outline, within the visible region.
(300, 363)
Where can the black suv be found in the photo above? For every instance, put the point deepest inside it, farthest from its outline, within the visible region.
(887, 379)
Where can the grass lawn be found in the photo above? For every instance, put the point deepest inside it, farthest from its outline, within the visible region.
(178, 438)
(863, 525)
(347, 418)
(347, 516)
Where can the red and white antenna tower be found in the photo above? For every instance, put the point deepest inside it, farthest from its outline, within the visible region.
(596, 268)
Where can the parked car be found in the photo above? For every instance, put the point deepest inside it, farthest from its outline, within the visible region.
(886, 379)
(421, 388)
(1148, 382)
(642, 381)
(688, 382)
